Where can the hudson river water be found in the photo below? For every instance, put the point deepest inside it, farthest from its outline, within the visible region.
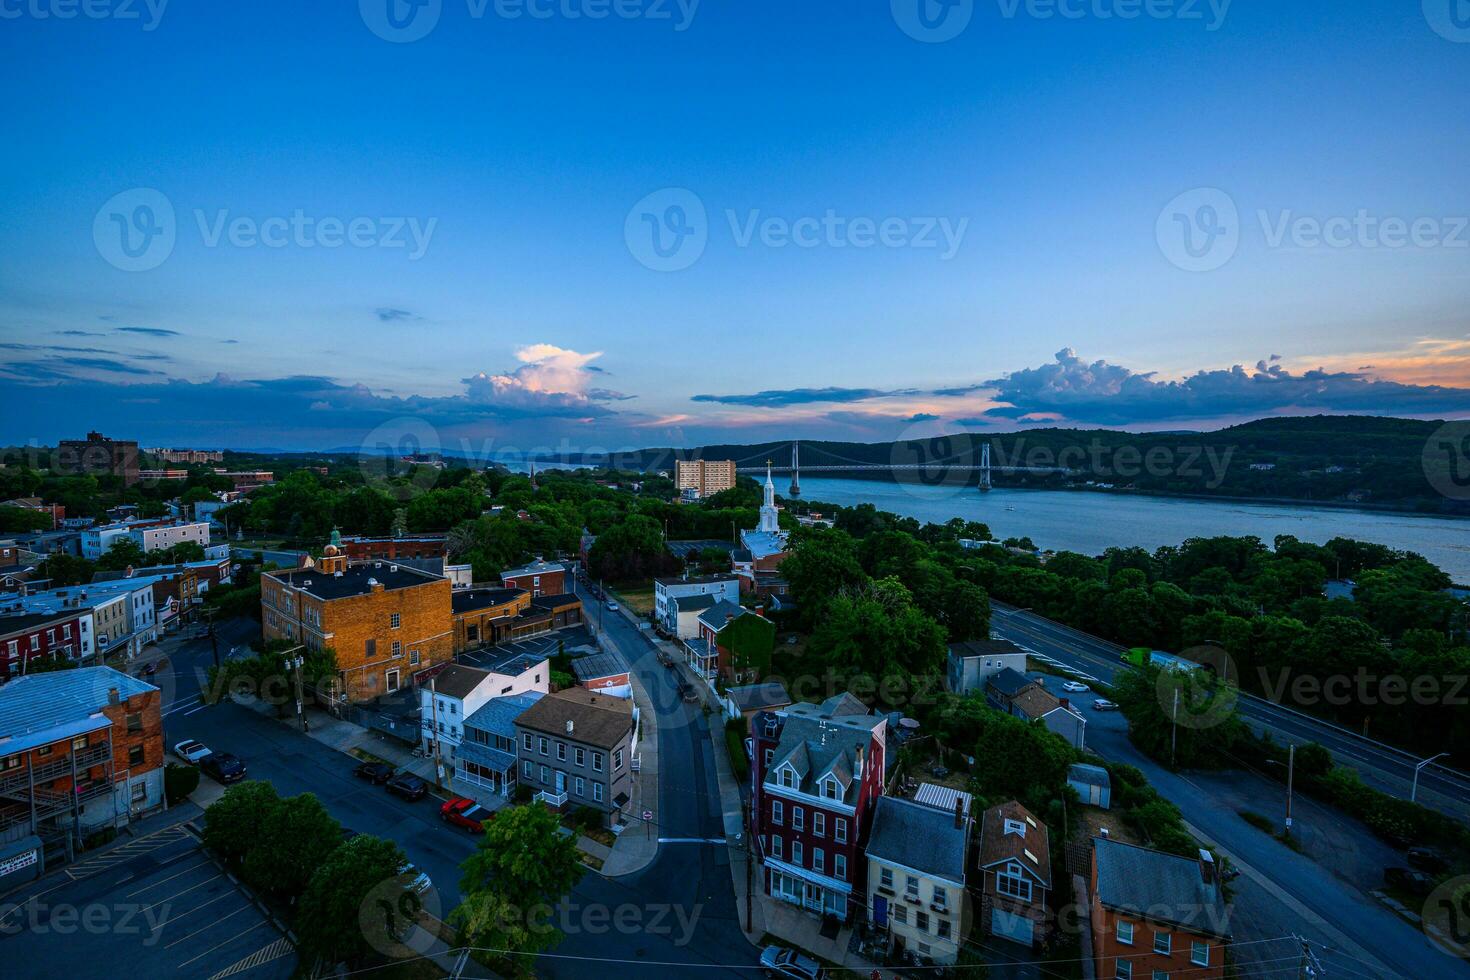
(1089, 523)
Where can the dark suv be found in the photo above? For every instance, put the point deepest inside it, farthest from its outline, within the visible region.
(376, 773)
(408, 786)
(223, 767)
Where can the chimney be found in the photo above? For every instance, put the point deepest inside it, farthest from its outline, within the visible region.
(959, 812)
(112, 696)
(1103, 833)
(1206, 867)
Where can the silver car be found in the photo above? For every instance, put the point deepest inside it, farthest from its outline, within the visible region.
(779, 962)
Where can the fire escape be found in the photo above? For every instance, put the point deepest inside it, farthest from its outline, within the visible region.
(29, 797)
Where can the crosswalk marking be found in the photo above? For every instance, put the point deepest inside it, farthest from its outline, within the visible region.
(271, 951)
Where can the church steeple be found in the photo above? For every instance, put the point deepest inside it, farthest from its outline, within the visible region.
(769, 522)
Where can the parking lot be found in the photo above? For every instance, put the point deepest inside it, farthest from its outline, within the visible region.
(157, 906)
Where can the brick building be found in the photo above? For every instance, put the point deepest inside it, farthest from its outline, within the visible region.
(25, 637)
(704, 477)
(98, 454)
(538, 578)
(79, 750)
(817, 772)
(1015, 868)
(360, 548)
(387, 623)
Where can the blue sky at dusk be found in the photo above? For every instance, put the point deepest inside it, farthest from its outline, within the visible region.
(727, 221)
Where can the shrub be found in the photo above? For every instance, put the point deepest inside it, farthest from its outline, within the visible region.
(178, 782)
(735, 743)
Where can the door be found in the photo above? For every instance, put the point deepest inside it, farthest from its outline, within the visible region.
(1016, 928)
(812, 897)
(880, 910)
(561, 781)
(392, 680)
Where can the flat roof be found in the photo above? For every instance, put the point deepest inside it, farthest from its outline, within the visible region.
(355, 581)
(468, 600)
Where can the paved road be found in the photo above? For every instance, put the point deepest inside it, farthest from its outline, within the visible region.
(1381, 766)
(1281, 891)
(675, 915)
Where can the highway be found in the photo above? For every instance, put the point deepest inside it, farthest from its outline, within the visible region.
(1381, 766)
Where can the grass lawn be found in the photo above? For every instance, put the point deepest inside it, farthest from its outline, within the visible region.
(637, 596)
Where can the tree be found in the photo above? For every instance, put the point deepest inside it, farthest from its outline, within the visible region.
(179, 781)
(521, 864)
(123, 553)
(232, 823)
(295, 838)
(966, 612)
(63, 569)
(18, 520)
(356, 903)
(750, 640)
(630, 551)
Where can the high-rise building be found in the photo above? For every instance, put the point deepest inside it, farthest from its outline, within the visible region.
(704, 476)
(98, 454)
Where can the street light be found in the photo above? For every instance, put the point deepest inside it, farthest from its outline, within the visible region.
(1414, 789)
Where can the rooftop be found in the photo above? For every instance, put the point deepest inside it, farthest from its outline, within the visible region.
(555, 600)
(983, 648)
(1010, 682)
(770, 694)
(694, 603)
(502, 661)
(498, 715)
(917, 836)
(40, 708)
(1089, 775)
(1010, 832)
(19, 622)
(943, 797)
(596, 719)
(457, 680)
(469, 600)
(596, 665)
(716, 617)
(537, 567)
(695, 580)
(356, 580)
(1159, 886)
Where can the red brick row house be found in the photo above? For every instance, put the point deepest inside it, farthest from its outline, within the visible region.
(28, 637)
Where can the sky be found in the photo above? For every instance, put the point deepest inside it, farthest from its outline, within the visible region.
(603, 224)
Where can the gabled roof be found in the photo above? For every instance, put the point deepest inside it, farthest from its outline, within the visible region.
(983, 648)
(1155, 885)
(1087, 775)
(597, 719)
(821, 739)
(458, 681)
(716, 617)
(918, 837)
(1030, 849)
(1036, 702)
(498, 715)
(770, 694)
(694, 603)
(598, 665)
(1009, 681)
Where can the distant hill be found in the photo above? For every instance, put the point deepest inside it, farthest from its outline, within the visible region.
(1349, 460)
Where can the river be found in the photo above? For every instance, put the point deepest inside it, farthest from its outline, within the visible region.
(1090, 523)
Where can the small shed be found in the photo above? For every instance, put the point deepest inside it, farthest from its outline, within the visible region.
(1092, 784)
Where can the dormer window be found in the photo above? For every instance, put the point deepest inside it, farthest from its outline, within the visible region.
(830, 789)
(787, 778)
(1015, 827)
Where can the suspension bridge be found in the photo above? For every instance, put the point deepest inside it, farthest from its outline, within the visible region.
(958, 465)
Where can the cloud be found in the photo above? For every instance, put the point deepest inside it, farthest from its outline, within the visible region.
(923, 417)
(388, 314)
(778, 398)
(229, 341)
(57, 348)
(150, 331)
(105, 364)
(81, 333)
(550, 379)
(1109, 394)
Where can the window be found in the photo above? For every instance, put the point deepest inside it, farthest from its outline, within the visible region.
(819, 860)
(796, 853)
(921, 921)
(1015, 827)
(14, 652)
(1125, 933)
(788, 778)
(526, 741)
(561, 751)
(542, 744)
(885, 878)
(617, 759)
(775, 847)
(829, 789)
(44, 750)
(901, 913)
(597, 762)
(35, 641)
(839, 831)
(770, 753)
(579, 756)
(526, 767)
(939, 899)
(397, 649)
(911, 887)
(544, 774)
(839, 866)
(778, 812)
(1160, 975)
(135, 721)
(393, 621)
(819, 823)
(1199, 953)
(1124, 970)
(80, 742)
(597, 792)
(1161, 943)
(1013, 883)
(135, 755)
(140, 792)
(580, 786)
(413, 656)
(798, 818)
(943, 927)
(66, 631)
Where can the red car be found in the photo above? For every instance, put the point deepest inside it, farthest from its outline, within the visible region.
(466, 813)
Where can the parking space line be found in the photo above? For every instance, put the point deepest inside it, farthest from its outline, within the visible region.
(184, 892)
(266, 954)
(175, 918)
(212, 924)
(169, 878)
(223, 944)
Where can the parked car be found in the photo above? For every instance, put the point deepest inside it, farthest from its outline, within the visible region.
(223, 767)
(376, 773)
(779, 962)
(408, 786)
(1075, 687)
(665, 659)
(191, 751)
(689, 694)
(466, 813)
(1409, 880)
(417, 881)
(1427, 859)
(612, 607)
(1103, 704)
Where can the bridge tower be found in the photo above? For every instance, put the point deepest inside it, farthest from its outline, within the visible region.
(984, 467)
(795, 470)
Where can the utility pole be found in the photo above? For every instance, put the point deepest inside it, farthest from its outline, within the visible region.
(1414, 789)
(1290, 774)
(438, 759)
(749, 867)
(293, 658)
(1174, 735)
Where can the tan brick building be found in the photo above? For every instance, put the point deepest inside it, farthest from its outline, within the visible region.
(386, 622)
(704, 476)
